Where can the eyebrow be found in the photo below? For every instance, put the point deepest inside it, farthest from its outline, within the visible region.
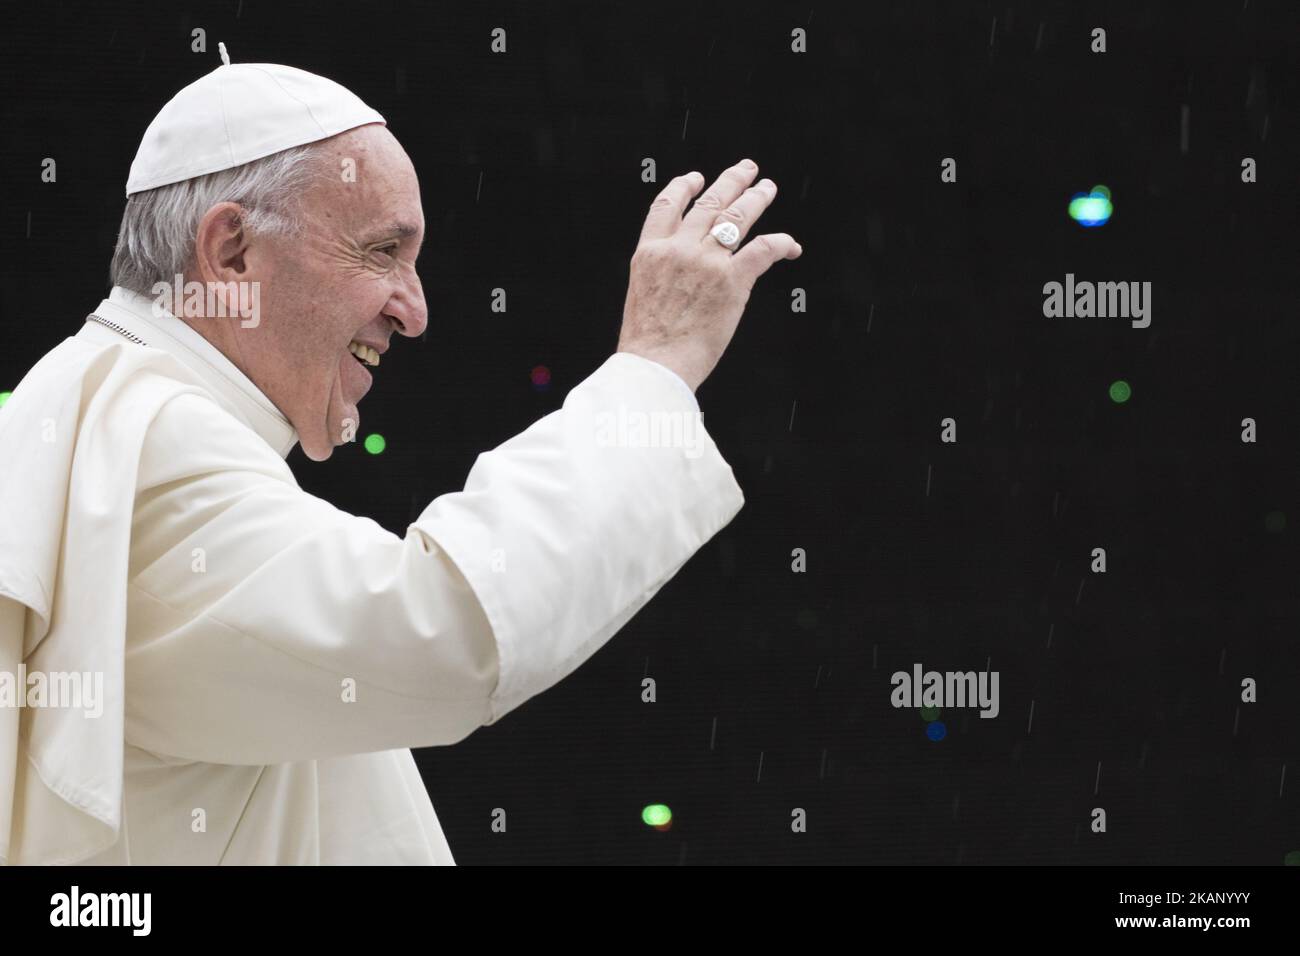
(397, 230)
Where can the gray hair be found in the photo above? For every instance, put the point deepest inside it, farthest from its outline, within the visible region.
(156, 241)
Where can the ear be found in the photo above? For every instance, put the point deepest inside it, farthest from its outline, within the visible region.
(221, 244)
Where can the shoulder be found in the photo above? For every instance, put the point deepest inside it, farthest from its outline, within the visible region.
(193, 435)
(118, 399)
(83, 391)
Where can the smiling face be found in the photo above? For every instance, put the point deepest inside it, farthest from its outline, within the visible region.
(336, 292)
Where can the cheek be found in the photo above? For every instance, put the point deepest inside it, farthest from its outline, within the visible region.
(316, 315)
(318, 325)
(357, 310)
(363, 298)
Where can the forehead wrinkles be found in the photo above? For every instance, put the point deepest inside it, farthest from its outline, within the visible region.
(350, 198)
(366, 182)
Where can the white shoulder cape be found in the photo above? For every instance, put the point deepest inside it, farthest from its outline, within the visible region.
(72, 432)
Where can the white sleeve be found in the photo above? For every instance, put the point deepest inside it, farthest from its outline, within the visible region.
(568, 529)
(267, 626)
(672, 376)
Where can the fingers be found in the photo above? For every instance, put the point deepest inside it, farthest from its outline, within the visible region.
(744, 212)
(729, 199)
(718, 197)
(758, 255)
(665, 214)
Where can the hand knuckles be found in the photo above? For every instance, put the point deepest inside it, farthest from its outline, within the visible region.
(708, 201)
(647, 253)
(716, 268)
(658, 254)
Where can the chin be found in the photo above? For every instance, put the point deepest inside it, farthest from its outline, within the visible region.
(338, 419)
(316, 450)
(318, 446)
(317, 453)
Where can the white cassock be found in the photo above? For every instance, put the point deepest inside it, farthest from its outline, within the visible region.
(151, 531)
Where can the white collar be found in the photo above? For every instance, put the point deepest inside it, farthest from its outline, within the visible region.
(231, 387)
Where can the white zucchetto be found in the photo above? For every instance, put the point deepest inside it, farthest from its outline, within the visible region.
(238, 113)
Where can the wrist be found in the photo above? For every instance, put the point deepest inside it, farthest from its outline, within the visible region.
(671, 359)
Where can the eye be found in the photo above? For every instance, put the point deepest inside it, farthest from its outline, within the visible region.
(389, 249)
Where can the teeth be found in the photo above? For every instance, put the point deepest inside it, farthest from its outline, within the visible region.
(365, 353)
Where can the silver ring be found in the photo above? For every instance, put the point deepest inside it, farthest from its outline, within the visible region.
(727, 235)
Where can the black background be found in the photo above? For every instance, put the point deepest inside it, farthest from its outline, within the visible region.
(924, 302)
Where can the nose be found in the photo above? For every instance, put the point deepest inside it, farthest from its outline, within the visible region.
(407, 308)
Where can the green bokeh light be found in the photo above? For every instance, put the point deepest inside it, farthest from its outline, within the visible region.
(1090, 209)
(656, 815)
(4, 397)
(1093, 208)
(1292, 858)
(1275, 522)
(1120, 392)
(375, 444)
(931, 713)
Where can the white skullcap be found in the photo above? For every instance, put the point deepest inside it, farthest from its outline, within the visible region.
(238, 113)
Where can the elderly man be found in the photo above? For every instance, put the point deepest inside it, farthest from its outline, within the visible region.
(262, 660)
